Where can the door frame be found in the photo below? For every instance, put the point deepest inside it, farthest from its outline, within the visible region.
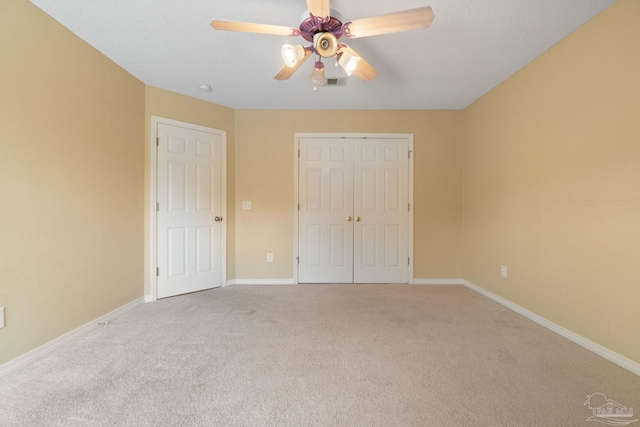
(296, 201)
(152, 261)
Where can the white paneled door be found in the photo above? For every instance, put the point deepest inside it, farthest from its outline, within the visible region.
(381, 209)
(354, 210)
(326, 211)
(189, 212)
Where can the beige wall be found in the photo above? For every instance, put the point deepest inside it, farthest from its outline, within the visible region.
(170, 105)
(260, 168)
(552, 183)
(264, 175)
(71, 181)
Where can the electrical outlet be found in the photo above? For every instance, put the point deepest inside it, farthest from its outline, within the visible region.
(246, 205)
(1, 317)
(269, 257)
(503, 271)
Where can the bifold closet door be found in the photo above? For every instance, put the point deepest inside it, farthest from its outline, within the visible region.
(381, 209)
(326, 209)
(353, 214)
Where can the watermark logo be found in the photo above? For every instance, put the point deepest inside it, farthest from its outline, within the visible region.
(608, 411)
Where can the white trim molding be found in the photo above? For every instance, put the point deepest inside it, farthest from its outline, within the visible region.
(437, 282)
(594, 347)
(62, 340)
(261, 282)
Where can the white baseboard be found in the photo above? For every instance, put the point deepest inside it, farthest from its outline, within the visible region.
(292, 282)
(610, 355)
(261, 282)
(437, 282)
(39, 352)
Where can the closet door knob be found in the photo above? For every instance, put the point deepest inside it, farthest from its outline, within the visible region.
(357, 219)
(348, 218)
(218, 219)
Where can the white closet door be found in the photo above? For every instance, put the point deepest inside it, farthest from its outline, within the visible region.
(189, 217)
(326, 211)
(381, 203)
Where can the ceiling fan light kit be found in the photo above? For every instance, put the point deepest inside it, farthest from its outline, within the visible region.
(348, 62)
(325, 44)
(292, 54)
(317, 75)
(323, 29)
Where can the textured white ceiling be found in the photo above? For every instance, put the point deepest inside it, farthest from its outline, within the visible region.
(470, 48)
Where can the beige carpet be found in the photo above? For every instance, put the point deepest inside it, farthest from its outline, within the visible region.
(316, 355)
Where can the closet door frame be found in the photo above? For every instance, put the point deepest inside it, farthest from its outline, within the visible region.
(296, 201)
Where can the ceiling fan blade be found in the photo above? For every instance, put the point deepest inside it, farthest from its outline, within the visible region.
(287, 71)
(248, 27)
(364, 70)
(319, 8)
(411, 19)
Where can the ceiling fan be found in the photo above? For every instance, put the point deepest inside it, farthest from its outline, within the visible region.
(324, 30)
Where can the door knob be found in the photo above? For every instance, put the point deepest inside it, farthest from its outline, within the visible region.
(357, 219)
(218, 219)
(348, 218)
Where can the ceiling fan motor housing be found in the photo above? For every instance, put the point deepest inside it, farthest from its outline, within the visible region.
(325, 44)
(314, 25)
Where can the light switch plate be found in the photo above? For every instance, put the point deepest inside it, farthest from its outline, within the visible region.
(1, 317)
(246, 205)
